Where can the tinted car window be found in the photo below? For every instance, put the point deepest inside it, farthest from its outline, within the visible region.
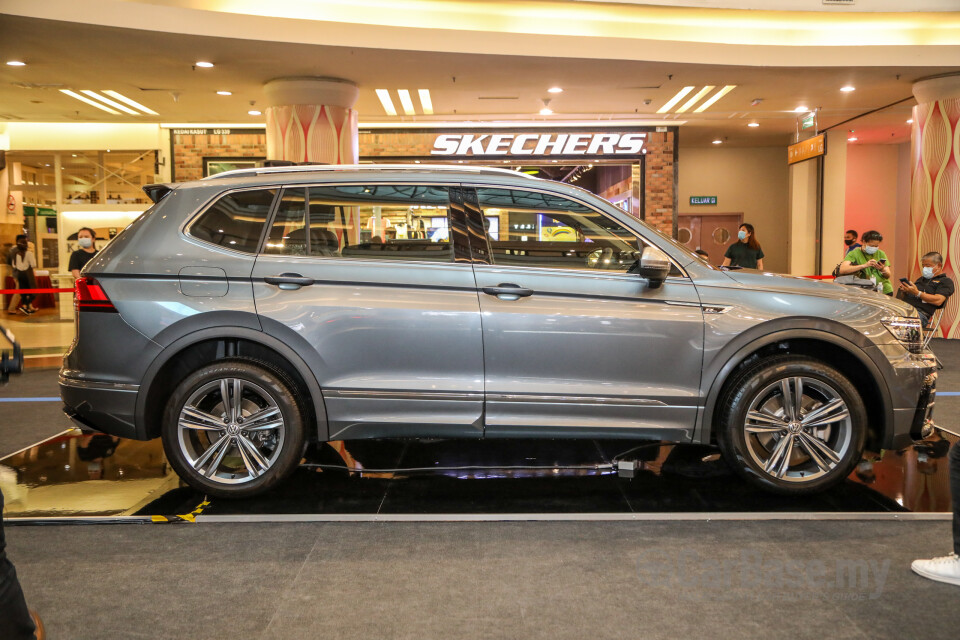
(393, 222)
(236, 220)
(527, 228)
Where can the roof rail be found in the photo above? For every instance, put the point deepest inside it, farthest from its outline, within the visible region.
(245, 173)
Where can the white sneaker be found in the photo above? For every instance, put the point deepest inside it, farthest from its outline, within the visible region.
(943, 569)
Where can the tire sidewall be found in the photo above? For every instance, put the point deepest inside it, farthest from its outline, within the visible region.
(732, 437)
(273, 384)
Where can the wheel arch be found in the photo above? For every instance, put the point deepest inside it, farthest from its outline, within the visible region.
(190, 351)
(832, 343)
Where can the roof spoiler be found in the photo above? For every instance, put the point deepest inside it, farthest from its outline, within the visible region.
(157, 192)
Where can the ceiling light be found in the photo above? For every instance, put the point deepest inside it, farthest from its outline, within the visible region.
(133, 103)
(852, 139)
(16, 63)
(718, 142)
(81, 98)
(848, 89)
(203, 65)
(387, 102)
(112, 103)
(696, 98)
(801, 110)
(554, 90)
(910, 121)
(426, 103)
(406, 102)
(719, 94)
(224, 93)
(675, 99)
(254, 112)
(753, 124)
(546, 111)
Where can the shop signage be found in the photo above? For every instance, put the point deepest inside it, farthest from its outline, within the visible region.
(806, 149)
(11, 203)
(538, 144)
(205, 132)
(703, 199)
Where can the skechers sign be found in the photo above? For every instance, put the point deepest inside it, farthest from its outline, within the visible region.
(538, 144)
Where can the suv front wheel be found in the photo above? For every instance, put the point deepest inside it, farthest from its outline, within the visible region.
(233, 429)
(792, 424)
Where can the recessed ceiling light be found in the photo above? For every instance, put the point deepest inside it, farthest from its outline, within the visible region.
(801, 110)
(718, 142)
(16, 63)
(848, 89)
(910, 121)
(133, 103)
(675, 99)
(387, 102)
(224, 93)
(74, 94)
(852, 139)
(203, 65)
(554, 90)
(546, 111)
(254, 112)
(696, 98)
(406, 102)
(426, 103)
(719, 94)
(753, 124)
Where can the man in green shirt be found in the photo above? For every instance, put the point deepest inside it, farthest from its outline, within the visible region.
(869, 262)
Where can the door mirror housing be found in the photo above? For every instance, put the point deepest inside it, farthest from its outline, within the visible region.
(654, 266)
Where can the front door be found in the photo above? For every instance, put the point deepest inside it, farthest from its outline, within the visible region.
(573, 343)
(376, 289)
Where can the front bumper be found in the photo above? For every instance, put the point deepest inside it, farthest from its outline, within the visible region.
(104, 406)
(910, 422)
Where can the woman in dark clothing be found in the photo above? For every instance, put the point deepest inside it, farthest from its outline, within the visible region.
(87, 239)
(745, 252)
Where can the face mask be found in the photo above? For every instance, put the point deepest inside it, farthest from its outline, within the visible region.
(86, 243)
(848, 242)
(927, 272)
(22, 247)
(870, 250)
(742, 235)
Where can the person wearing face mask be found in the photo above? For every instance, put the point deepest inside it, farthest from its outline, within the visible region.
(24, 262)
(931, 291)
(86, 238)
(850, 241)
(745, 252)
(869, 262)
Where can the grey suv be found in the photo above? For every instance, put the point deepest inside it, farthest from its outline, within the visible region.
(245, 315)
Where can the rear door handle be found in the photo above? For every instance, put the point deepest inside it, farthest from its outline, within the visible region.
(507, 291)
(289, 281)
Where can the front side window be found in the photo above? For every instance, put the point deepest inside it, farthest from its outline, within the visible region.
(236, 220)
(389, 222)
(531, 229)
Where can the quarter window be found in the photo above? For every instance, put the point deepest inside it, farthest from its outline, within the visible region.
(236, 220)
(531, 229)
(382, 222)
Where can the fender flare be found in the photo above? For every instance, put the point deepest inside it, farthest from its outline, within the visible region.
(739, 349)
(232, 331)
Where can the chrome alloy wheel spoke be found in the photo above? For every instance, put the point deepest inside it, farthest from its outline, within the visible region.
(248, 448)
(202, 417)
(792, 390)
(261, 415)
(247, 461)
(231, 405)
(263, 426)
(767, 423)
(199, 426)
(822, 449)
(217, 450)
(779, 461)
(831, 412)
(807, 443)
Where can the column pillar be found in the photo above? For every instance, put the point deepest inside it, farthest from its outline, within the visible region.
(312, 120)
(935, 185)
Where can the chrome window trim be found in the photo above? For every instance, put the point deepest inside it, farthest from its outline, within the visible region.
(474, 185)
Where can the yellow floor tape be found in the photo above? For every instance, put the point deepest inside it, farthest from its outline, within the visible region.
(187, 517)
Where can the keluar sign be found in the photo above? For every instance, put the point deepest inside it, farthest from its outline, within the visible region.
(806, 149)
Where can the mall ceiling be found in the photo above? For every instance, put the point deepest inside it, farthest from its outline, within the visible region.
(156, 69)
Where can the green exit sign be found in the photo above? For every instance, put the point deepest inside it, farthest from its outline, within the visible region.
(807, 121)
(703, 199)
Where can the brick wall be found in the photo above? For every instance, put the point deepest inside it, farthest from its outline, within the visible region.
(190, 150)
(659, 196)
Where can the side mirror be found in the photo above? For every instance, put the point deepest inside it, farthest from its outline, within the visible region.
(654, 266)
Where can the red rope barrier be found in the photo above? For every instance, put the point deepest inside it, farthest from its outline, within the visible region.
(7, 292)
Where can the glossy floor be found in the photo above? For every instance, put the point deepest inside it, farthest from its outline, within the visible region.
(77, 475)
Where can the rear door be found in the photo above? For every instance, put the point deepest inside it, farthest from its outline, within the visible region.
(375, 288)
(574, 344)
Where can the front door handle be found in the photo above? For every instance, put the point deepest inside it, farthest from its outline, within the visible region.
(507, 291)
(289, 281)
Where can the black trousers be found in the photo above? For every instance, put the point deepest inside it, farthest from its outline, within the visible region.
(955, 493)
(15, 620)
(26, 281)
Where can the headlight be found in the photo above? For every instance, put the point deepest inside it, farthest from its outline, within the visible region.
(907, 330)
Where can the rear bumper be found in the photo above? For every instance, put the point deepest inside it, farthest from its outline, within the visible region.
(104, 406)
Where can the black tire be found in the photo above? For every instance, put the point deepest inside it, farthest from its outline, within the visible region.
(743, 451)
(263, 388)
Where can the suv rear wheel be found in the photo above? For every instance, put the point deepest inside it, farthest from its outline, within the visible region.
(793, 425)
(233, 429)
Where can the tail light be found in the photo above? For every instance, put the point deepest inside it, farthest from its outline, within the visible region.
(90, 296)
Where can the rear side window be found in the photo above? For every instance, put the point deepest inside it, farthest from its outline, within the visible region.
(236, 220)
